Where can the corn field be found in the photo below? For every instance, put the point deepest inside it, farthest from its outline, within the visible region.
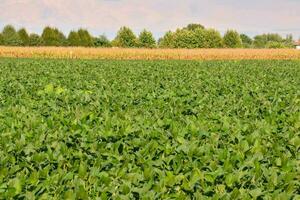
(149, 54)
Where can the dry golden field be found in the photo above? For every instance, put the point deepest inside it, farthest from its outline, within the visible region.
(149, 54)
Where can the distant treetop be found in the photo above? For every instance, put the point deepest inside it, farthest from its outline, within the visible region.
(193, 35)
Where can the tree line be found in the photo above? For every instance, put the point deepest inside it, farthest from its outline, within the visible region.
(191, 36)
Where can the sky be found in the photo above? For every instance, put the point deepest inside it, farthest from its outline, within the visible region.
(107, 16)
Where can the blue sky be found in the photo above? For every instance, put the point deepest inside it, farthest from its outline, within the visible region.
(107, 16)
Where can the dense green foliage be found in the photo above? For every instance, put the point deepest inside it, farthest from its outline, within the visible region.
(35, 40)
(272, 41)
(1, 39)
(200, 40)
(149, 129)
(193, 27)
(85, 38)
(24, 37)
(53, 37)
(102, 41)
(167, 40)
(232, 39)
(260, 41)
(275, 45)
(190, 36)
(184, 38)
(73, 39)
(289, 41)
(10, 36)
(80, 38)
(213, 39)
(247, 41)
(125, 38)
(146, 40)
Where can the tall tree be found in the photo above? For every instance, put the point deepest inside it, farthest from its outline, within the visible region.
(24, 36)
(193, 27)
(61, 38)
(35, 40)
(102, 41)
(201, 38)
(246, 41)
(86, 39)
(73, 39)
(125, 38)
(1, 39)
(10, 36)
(232, 39)
(213, 39)
(167, 41)
(262, 41)
(48, 36)
(146, 39)
(289, 41)
(53, 37)
(274, 37)
(184, 38)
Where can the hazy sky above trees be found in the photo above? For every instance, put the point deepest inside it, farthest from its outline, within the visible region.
(107, 16)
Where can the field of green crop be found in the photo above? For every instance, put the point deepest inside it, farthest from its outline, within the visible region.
(75, 129)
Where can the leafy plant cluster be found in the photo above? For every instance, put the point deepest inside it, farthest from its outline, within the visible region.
(149, 129)
(191, 36)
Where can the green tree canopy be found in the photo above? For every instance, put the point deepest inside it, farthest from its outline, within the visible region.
(10, 36)
(275, 45)
(198, 38)
(80, 38)
(274, 37)
(262, 41)
(146, 39)
(246, 40)
(167, 41)
(193, 27)
(53, 37)
(232, 39)
(191, 36)
(125, 38)
(201, 38)
(85, 37)
(1, 39)
(289, 41)
(48, 37)
(213, 39)
(24, 36)
(73, 39)
(35, 40)
(102, 41)
(184, 38)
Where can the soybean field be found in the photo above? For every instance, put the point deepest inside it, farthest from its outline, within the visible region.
(92, 129)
